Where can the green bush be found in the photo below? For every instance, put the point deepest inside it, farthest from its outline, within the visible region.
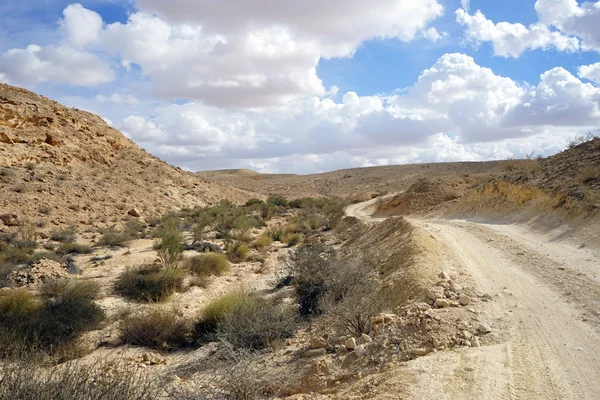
(278, 201)
(73, 248)
(150, 283)
(14, 255)
(254, 202)
(206, 328)
(169, 249)
(237, 251)
(62, 312)
(245, 321)
(208, 264)
(159, 329)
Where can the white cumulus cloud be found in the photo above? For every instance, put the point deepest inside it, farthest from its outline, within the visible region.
(512, 39)
(62, 64)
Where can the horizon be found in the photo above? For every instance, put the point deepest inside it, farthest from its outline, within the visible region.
(279, 88)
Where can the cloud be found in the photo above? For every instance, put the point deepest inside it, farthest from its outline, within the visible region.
(62, 64)
(81, 26)
(117, 98)
(456, 110)
(253, 54)
(591, 72)
(582, 20)
(511, 40)
(560, 99)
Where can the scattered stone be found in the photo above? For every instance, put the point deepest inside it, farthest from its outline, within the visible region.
(360, 351)
(38, 272)
(318, 343)
(350, 344)
(441, 303)
(435, 292)
(487, 297)
(422, 351)
(315, 352)
(475, 342)
(134, 213)
(464, 300)
(484, 328)
(444, 275)
(9, 219)
(455, 287)
(364, 339)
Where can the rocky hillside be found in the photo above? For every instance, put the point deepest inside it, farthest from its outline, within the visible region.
(60, 165)
(560, 191)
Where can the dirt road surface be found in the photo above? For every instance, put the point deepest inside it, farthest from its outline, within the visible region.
(545, 315)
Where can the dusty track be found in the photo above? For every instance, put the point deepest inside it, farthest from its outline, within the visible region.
(544, 315)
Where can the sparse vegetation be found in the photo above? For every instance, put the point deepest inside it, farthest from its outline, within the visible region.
(237, 251)
(73, 248)
(63, 310)
(64, 235)
(25, 379)
(245, 321)
(149, 283)
(208, 264)
(159, 328)
(263, 241)
(256, 323)
(114, 238)
(292, 239)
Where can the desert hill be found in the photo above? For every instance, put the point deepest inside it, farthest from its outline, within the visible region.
(356, 183)
(60, 165)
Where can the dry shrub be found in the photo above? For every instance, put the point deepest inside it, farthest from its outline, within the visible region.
(64, 235)
(235, 374)
(114, 238)
(276, 234)
(589, 174)
(345, 291)
(25, 379)
(208, 264)
(237, 251)
(160, 329)
(263, 241)
(256, 323)
(292, 239)
(245, 322)
(150, 283)
(199, 281)
(73, 248)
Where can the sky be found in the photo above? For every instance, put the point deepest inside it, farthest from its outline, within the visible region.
(288, 86)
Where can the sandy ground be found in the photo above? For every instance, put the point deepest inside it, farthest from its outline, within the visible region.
(544, 315)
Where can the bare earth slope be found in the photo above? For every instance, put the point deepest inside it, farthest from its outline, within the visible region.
(543, 315)
(65, 166)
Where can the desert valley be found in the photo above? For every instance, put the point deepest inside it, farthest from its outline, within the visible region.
(123, 277)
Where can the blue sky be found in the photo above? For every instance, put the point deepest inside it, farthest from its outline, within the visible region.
(304, 89)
